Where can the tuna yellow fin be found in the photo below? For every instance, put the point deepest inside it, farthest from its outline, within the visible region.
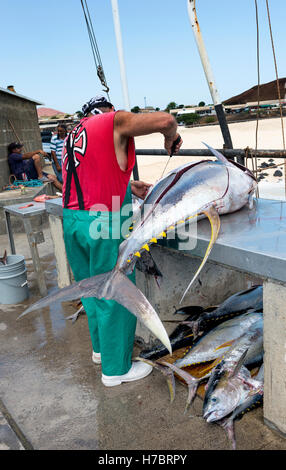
(213, 217)
(209, 367)
(224, 345)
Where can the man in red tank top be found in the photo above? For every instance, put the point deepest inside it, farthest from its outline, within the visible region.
(98, 160)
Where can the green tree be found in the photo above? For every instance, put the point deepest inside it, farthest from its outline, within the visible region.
(171, 105)
(135, 109)
(79, 114)
(189, 118)
(202, 103)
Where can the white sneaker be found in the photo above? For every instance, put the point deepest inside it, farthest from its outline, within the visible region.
(138, 370)
(96, 357)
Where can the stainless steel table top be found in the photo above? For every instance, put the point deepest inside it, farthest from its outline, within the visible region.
(20, 210)
(54, 207)
(250, 240)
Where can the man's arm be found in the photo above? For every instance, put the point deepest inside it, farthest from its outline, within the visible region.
(28, 155)
(56, 162)
(133, 125)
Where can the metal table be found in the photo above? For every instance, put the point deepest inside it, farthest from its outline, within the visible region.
(55, 207)
(25, 211)
(250, 240)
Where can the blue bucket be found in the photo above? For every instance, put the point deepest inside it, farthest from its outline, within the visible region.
(13, 280)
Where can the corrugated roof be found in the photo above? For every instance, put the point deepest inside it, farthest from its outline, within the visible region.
(5, 90)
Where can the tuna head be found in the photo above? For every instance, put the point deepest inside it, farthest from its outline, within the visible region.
(226, 396)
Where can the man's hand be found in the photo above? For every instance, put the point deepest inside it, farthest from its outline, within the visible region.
(169, 144)
(41, 152)
(139, 188)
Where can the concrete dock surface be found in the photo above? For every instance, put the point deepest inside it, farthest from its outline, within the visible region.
(52, 398)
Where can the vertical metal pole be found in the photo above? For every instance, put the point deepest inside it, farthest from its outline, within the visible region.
(10, 232)
(209, 75)
(117, 29)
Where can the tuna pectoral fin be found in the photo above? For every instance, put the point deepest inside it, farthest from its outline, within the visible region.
(213, 217)
(239, 363)
(113, 285)
(228, 425)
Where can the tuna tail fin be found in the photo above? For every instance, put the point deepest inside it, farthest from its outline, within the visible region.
(192, 382)
(166, 372)
(213, 217)
(113, 285)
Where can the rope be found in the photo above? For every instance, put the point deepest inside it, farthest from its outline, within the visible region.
(18, 183)
(258, 91)
(94, 47)
(13, 129)
(258, 73)
(277, 80)
(251, 154)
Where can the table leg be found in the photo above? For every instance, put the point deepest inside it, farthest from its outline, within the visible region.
(274, 300)
(36, 259)
(63, 268)
(10, 232)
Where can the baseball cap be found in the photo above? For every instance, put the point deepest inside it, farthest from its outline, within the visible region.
(13, 146)
(94, 105)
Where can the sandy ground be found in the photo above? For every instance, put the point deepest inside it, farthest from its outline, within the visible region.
(243, 135)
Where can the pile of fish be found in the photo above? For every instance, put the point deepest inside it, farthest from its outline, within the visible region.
(227, 350)
(206, 188)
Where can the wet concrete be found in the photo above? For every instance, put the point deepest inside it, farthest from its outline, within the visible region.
(53, 394)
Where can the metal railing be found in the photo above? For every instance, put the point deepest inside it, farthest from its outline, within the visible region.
(241, 155)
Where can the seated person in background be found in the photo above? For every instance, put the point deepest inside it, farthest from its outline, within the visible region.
(28, 165)
(57, 142)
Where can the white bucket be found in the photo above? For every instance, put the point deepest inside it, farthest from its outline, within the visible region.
(13, 280)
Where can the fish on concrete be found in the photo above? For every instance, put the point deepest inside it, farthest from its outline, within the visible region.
(254, 399)
(219, 340)
(201, 320)
(230, 382)
(214, 346)
(206, 187)
(237, 304)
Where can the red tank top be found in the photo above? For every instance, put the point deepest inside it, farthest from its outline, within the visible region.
(102, 181)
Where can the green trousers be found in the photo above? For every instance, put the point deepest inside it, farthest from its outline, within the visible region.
(111, 326)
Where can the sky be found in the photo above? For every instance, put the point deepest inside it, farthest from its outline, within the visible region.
(46, 53)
